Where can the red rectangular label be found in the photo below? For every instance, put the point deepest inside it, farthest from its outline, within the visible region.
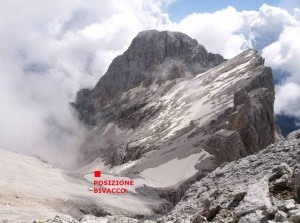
(97, 173)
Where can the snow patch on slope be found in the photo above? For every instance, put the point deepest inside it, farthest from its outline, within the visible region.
(172, 172)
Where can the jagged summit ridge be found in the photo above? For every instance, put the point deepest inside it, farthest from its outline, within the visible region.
(152, 55)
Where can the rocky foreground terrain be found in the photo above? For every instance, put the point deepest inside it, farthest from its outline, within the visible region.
(259, 188)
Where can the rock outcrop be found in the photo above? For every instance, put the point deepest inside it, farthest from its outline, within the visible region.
(257, 188)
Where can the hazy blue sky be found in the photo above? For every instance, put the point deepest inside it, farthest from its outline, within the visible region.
(181, 8)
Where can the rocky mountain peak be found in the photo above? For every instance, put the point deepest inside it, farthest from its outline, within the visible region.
(152, 48)
(152, 56)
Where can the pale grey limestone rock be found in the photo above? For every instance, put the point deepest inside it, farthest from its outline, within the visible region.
(294, 216)
(243, 186)
(280, 216)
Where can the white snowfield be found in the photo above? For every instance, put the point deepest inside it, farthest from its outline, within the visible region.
(167, 175)
(173, 172)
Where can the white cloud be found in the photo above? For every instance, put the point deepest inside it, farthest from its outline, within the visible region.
(285, 53)
(287, 99)
(218, 31)
(268, 25)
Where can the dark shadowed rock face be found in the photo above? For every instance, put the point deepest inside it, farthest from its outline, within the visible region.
(152, 55)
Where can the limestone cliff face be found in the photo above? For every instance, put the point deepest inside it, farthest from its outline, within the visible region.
(167, 100)
(251, 115)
